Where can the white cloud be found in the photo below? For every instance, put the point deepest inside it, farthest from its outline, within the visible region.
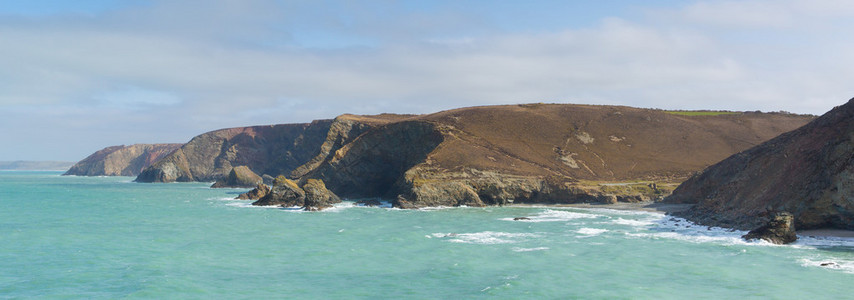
(188, 67)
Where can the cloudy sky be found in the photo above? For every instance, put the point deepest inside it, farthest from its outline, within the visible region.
(77, 76)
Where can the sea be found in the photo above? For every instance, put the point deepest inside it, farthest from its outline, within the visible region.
(67, 237)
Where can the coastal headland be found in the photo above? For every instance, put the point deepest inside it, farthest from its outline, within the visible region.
(487, 155)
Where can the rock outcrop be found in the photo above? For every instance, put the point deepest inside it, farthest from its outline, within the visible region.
(121, 160)
(312, 196)
(255, 194)
(285, 193)
(239, 177)
(779, 230)
(808, 172)
(317, 196)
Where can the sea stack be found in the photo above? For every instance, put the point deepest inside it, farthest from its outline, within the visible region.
(239, 177)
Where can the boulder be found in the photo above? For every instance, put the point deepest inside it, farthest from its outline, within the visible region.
(779, 230)
(239, 177)
(255, 194)
(317, 196)
(285, 192)
(268, 180)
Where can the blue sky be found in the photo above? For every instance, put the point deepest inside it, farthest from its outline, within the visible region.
(77, 76)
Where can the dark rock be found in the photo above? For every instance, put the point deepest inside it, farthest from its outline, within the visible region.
(255, 194)
(239, 177)
(317, 196)
(370, 202)
(285, 192)
(779, 230)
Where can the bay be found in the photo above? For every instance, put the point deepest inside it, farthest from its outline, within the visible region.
(108, 238)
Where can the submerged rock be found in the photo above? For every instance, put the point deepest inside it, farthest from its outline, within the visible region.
(285, 192)
(779, 230)
(317, 196)
(255, 194)
(239, 177)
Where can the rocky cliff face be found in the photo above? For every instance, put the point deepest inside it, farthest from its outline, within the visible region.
(536, 154)
(807, 172)
(266, 150)
(274, 149)
(121, 160)
(492, 155)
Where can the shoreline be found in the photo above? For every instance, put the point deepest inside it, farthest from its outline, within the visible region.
(648, 206)
(664, 208)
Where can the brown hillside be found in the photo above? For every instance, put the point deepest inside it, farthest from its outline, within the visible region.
(598, 142)
(536, 153)
(806, 172)
(545, 153)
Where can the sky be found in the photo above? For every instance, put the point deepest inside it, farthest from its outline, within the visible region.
(78, 76)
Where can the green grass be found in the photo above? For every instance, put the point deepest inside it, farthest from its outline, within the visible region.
(700, 112)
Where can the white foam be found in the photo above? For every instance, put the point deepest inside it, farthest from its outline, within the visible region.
(699, 238)
(486, 237)
(338, 207)
(638, 223)
(550, 215)
(517, 249)
(846, 266)
(591, 231)
(383, 204)
(624, 212)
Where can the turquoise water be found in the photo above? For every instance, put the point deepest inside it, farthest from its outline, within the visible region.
(108, 238)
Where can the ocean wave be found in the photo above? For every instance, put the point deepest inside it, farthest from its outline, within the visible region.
(623, 212)
(588, 232)
(846, 266)
(637, 223)
(551, 215)
(485, 237)
(518, 249)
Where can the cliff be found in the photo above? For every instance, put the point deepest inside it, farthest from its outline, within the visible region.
(537, 153)
(533, 153)
(807, 172)
(121, 160)
(271, 149)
